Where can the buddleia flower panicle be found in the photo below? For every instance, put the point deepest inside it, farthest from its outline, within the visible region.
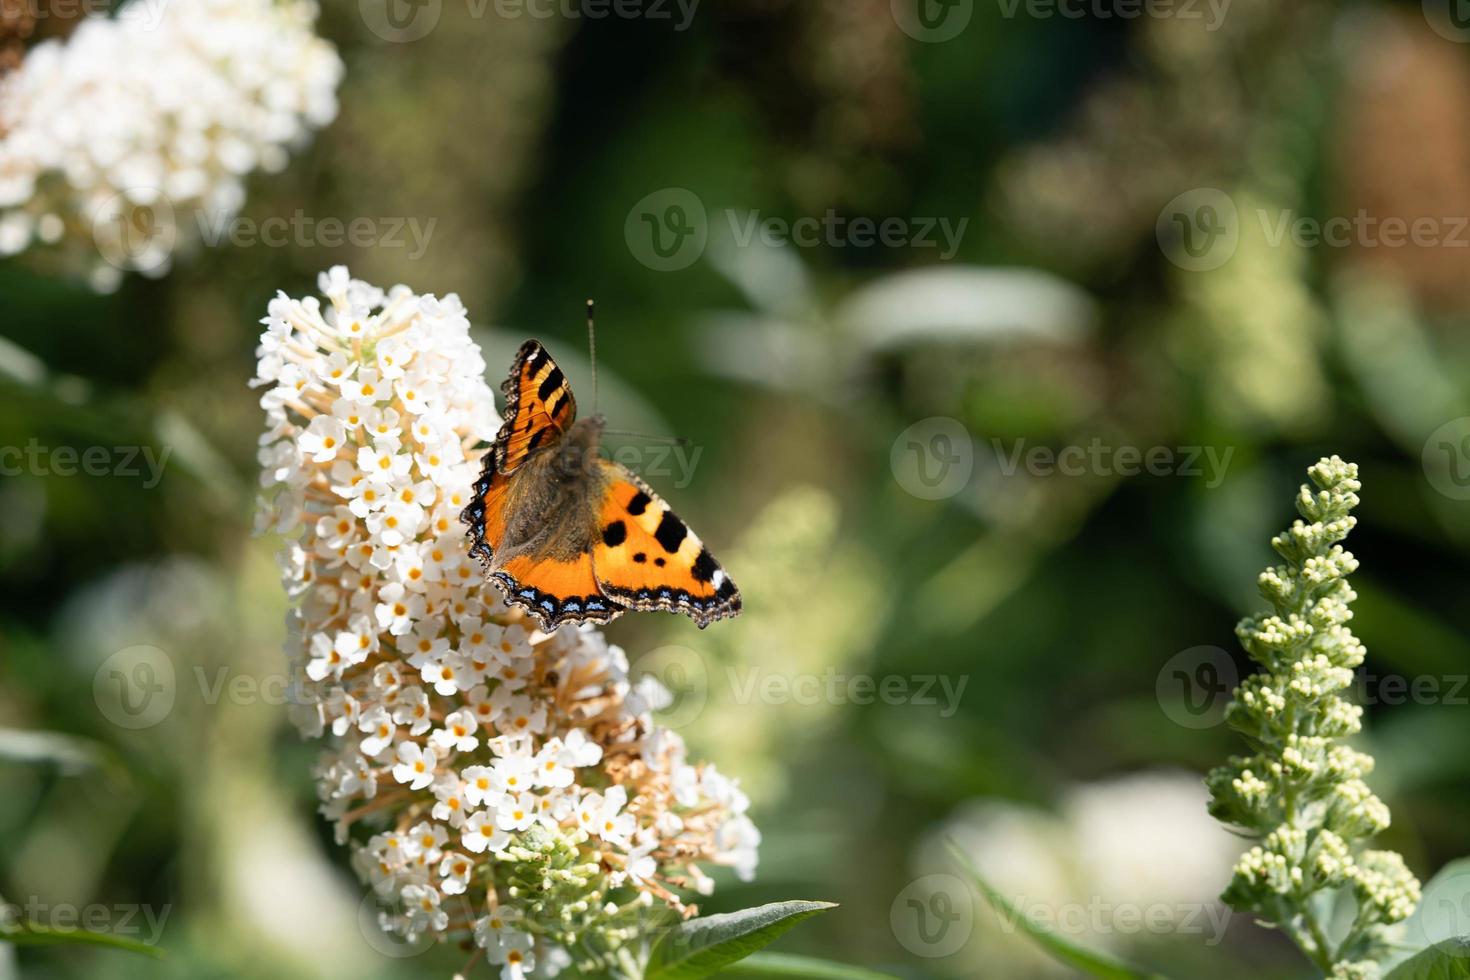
(495, 784)
(1301, 794)
(133, 137)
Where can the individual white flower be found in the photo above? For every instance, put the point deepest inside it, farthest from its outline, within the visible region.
(428, 841)
(451, 805)
(458, 733)
(421, 906)
(517, 813)
(380, 728)
(481, 833)
(415, 765)
(455, 870)
(323, 439)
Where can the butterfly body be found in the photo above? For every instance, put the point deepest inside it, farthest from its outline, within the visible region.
(571, 537)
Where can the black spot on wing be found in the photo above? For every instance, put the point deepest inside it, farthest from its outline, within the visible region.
(640, 558)
(726, 589)
(614, 534)
(671, 532)
(638, 504)
(550, 384)
(704, 566)
(659, 562)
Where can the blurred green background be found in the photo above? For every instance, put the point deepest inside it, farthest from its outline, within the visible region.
(814, 381)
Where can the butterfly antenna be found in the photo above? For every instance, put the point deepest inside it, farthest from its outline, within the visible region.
(592, 351)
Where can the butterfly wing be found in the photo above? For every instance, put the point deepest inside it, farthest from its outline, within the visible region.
(539, 407)
(646, 558)
(556, 591)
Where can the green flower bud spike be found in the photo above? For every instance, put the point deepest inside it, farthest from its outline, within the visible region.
(1301, 794)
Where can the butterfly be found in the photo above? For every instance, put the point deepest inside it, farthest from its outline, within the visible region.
(571, 537)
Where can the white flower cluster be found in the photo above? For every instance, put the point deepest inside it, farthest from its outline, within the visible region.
(122, 141)
(512, 783)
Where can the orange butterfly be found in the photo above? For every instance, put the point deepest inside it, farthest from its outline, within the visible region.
(572, 537)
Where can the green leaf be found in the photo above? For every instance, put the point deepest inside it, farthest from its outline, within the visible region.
(30, 934)
(1061, 949)
(700, 947)
(786, 965)
(1447, 960)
